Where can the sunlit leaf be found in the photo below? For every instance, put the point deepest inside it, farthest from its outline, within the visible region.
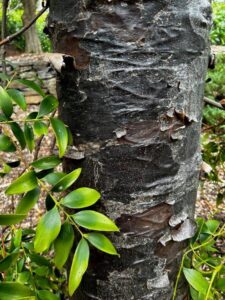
(61, 135)
(40, 128)
(18, 98)
(66, 181)
(48, 105)
(5, 103)
(47, 162)
(63, 244)
(23, 184)
(15, 291)
(93, 220)
(12, 219)
(29, 136)
(101, 242)
(47, 230)
(80, 198)
(53, 178)
(28, 201)
(79, 265)
(196, 280)
(6, 145)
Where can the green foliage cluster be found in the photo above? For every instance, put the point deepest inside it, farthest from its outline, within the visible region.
(203, 263)
(14, 24)
(218, 32)
(32, 262)
(215, 87)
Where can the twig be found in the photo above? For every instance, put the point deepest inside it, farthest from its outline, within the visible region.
(9, 38)
(3, 30)
(213, 103)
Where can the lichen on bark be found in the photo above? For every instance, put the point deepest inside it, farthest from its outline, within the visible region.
(131, 91)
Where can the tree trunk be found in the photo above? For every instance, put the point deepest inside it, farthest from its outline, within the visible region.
(133, 98)
(32, 41)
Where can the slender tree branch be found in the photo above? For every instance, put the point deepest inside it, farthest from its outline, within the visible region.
(3, 30)
(213, 103)
(9, 38)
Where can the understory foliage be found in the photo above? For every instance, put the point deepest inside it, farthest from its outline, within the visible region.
(203, 263)
(32, 261)
(217, 32)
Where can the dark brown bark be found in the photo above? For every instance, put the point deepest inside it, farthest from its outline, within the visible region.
(32, 41)
(133, 97)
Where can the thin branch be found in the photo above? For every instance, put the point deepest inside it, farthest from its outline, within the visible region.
(9, 38)
(3, 30)
(213, 103)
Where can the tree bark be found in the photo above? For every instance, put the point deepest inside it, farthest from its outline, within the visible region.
(32, 41)
(132, 93)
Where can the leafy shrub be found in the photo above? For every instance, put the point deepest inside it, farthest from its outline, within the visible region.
(218, 32)
(203, 263)
(32, 261)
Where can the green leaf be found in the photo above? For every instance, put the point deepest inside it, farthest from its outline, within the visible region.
(47, 230)
(18, 98)
(14, 291)
(6, 145)
(18, 132)
(53, 178)
(101, 242)
(29, 136)
(8, 261)
(32, 85)
(39, 260)
(23, 184)
(80, 198)
(211, 226)
(48, 105)
(63, 244)
(28, 201)
(66, 181)
(40, 128)
(8, 219)
(4, 77)
(220, 284)
(47, 295)
(5, 170)
(196, 280)
(49, 202)
(47, 162)
(93, 220)
(79, 265)
(61, 135)
(5, 102)
(17, 237)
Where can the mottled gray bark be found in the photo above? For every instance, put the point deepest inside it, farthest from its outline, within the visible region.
(32, 41)
(132, 97)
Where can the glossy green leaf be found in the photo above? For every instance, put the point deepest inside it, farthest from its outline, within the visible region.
(17, 237)
(53, 178)
(5, 103)
(18, 98)
(47, 162)
(23, 184)
(47, 295)
(63, 244)
(47, 230)
(18, 133)
(29, 136)
(15, 291)
(66, 181)
(80, 198)
(48, 105)
(5, 170)
(49, 202)
(8, 261)
(79, 265)
(61, 135)
(93, 220)
(8, 219)
(40, 128)
(32, 85)
(101, 242)
(28, 201)
(6, 145)
(211, 226)
(196, 280)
